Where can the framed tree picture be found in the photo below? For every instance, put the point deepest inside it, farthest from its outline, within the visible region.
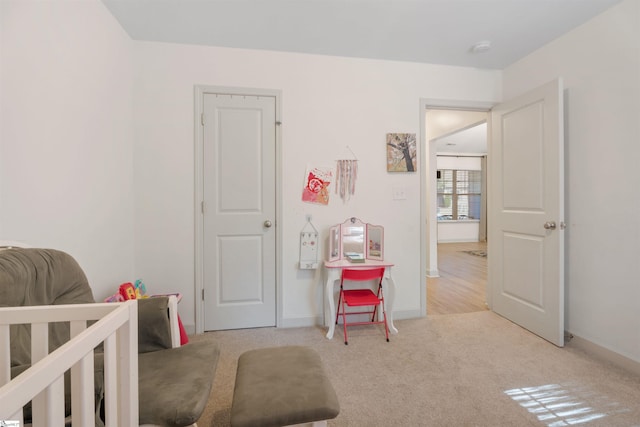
(401, 152)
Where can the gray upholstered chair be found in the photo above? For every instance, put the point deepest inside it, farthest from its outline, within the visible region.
(174, 382)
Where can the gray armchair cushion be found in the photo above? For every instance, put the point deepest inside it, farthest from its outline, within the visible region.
(154, 332)
(34, 276)
(282, 386)
(175, 384)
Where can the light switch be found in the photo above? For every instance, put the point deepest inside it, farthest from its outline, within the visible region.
(399, 193)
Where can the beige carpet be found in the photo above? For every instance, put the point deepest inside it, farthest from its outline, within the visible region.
(474, 369)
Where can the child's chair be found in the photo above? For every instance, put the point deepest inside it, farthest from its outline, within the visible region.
(361, 298)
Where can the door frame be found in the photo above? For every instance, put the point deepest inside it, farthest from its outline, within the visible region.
(428, 201)
(199, 92)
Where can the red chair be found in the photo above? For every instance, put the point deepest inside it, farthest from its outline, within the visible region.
(361, 298)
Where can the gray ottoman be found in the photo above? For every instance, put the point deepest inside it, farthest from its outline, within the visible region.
(282, 386)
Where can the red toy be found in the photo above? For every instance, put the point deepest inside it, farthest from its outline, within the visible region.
(127, 291)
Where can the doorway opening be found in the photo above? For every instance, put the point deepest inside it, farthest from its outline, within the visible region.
(458, 140)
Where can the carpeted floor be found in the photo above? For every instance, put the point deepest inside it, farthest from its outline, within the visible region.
(474, 369)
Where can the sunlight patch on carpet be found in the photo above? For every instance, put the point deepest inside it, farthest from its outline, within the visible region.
(558, 405)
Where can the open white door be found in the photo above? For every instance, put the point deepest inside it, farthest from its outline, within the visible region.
(526, 190)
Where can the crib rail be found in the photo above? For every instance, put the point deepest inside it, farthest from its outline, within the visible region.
(43, 382)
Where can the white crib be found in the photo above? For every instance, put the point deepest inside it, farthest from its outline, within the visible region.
(43, 382)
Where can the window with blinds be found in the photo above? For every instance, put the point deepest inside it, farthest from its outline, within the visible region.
(459, 194)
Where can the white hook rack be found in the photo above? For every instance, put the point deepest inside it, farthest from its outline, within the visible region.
(308, 246)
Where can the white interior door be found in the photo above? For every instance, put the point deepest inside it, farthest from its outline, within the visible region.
(239, 242)
(526, 237)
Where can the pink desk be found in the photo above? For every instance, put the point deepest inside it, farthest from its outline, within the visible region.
(334, 272)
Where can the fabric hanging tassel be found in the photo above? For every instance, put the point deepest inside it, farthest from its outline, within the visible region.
(346, 174)
(352, 177)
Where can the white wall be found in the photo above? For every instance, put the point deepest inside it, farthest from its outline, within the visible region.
(67, 77)
(66, 135)
(72, 82)
(328, 103)
(458, 231)
(600, 65)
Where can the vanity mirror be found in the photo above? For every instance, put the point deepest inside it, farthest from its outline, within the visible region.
(334, 243)
(352, 236)
(356, 241)
(375, 242)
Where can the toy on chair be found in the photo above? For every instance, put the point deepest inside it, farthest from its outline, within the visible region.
(127, 291)
(141, 289)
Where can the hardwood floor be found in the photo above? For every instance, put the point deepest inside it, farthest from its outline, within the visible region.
(461, 287)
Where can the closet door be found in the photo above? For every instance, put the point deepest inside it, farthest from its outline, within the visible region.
(239, 174)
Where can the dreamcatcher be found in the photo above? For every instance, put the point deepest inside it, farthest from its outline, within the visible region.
(346, 174)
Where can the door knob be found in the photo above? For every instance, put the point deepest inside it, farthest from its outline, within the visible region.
(550, 225)
(267, 224)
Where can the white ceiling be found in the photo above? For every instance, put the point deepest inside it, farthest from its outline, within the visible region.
(470, 141)
(457, 132)
(427, 31)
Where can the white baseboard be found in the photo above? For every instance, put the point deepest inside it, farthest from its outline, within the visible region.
(605, 354)
(301, 322)
(286, 323)
(407, 314)
(433, 273)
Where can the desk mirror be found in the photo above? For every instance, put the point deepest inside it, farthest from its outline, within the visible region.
(353, 231)
(375, 239)
(334, 243)
(355, 239)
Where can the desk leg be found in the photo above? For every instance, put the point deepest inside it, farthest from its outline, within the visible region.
(331, 320)
(389, 298)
